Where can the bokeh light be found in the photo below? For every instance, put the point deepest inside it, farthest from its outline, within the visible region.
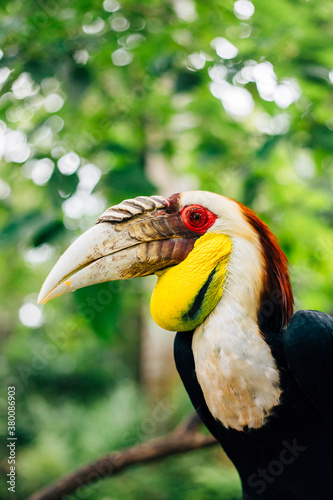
(68, 163)
(31, 315)
(243, 9)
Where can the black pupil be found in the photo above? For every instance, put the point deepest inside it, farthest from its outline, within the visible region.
(196, 217)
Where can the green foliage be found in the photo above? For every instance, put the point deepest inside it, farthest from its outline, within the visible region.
(129, 93)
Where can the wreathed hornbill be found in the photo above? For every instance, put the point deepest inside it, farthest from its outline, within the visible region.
(260, 378)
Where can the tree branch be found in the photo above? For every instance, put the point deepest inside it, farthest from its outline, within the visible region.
(185, 437)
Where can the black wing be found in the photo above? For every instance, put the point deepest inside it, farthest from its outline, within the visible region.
(309, 353)
(186, 368)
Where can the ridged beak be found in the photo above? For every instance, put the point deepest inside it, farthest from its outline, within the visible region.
(135, 238)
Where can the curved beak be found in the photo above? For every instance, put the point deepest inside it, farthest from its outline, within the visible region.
(136, 238)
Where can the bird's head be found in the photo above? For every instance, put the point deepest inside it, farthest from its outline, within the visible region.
(201, 245)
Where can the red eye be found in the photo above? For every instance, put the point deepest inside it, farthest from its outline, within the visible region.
(198, 218)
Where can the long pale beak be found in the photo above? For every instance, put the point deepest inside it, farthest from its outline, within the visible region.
(136, 238)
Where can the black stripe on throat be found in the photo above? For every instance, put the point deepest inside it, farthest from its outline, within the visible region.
(197, 303)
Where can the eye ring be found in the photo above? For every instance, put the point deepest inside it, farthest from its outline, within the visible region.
(197, 218)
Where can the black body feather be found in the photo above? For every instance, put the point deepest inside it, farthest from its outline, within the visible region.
(291, 456)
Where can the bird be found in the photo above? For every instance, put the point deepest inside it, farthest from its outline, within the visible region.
(259, 375)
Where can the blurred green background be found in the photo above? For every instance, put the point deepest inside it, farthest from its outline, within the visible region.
(102, 101)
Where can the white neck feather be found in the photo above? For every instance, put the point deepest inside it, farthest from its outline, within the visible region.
(234, 365)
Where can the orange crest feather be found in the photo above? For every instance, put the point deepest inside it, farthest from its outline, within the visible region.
(277, 300)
